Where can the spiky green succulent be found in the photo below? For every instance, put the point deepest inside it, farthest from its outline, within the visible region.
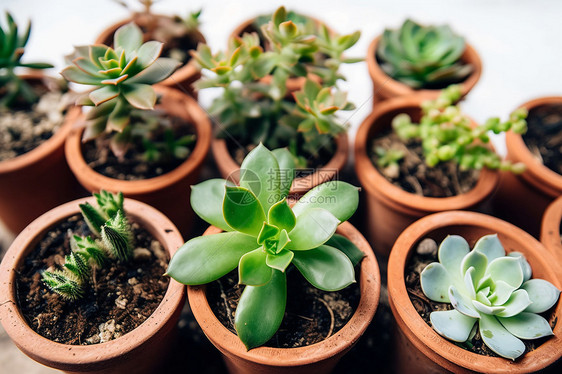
(423, 56)
(13, 89)
(486, 286)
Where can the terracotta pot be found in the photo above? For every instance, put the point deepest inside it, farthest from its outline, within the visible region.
(228, 167)
(550, 230)
(385, 87)
(422, 350)
(389, 208)
(168, 193)
(184, 77)
(317, 358)
(533, 190)
(38, 180)
(139, 351)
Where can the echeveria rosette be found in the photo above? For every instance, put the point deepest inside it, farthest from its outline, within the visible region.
(264, 235)
(487, 286)
(123, 77)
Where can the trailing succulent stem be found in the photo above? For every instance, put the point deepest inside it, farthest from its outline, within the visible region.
(113, 240)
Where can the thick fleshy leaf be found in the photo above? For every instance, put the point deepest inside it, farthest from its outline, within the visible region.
(482, 296)
(462, 303)
(207, 199)
(286, 170)
(435, 282)
(507, 269)
(158, 71)
(128, 37)
(253, 270)
(346, 246)
(148, 53)
(281, 260)
(339, 198)
(325, 267)
(74, 74)
(527, 326)
(527, 271)
(140, 96)
(268, 232)
(469, 282)
(518, 302)
(207, 258)
(486, 309)
(242, 210)
(260, 174)
(502, 293)
(104, 94)
(313, 228)
(490, 246)
(451, 252)
(498, 339)
(478, 262)
(452, 324)
(542, 293)
(281, 215)
(283, 240)
(261, 310)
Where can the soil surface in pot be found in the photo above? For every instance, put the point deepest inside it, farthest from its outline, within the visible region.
(426, 253)
(311, 315)
(121, 297)
(544, 135)
(134, 165)
(414, 176)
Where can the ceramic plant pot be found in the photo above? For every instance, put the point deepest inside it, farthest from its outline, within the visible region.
(184, 77)
(385, 87)
(139, 351)
(38, 180)
(317, 358)
(229, 168)
(550, 230)
(169, 192)
(522, 199)
(390, 209)
(419, 349)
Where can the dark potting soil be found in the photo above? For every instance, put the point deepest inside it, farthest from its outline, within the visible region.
(544, 135)
(120, 297)
(311, 315)
(417, 262)
(134, 166)
(414, 176)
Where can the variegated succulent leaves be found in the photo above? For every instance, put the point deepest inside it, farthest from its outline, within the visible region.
(113, 239)
(264, 236)
(486, 286)
(122, 78)
(446, 133)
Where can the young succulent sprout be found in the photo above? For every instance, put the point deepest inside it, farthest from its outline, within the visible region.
(16, 90)
(264, 236)
(447, 135)
(423, 56)
(486, 286)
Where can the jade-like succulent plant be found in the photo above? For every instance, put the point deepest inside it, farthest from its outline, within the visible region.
(486, 286)
(423, 56)
(113, 239)
(13, 89)
(446, 133)
(264, 235)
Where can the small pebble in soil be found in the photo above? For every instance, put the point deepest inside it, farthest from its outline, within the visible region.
(427, 247)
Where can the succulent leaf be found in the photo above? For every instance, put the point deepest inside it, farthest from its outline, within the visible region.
(452, 324)
(253, 270)
(312, 229)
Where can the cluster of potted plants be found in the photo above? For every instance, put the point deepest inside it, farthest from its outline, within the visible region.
(97, 284)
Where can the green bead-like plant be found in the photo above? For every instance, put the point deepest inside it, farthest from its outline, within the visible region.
(15, 90)
(113, 240)
(423, 56)
(264, 236)
(486, 286)
(447, 135)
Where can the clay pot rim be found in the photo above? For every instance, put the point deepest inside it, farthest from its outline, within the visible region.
(537, 174)
(199, 119)
(550, 229)
(45, 148)
(424, 337)
(226, 341)
(70, 357)
(300, 185)
(186, 72)
(386, 83)
(376, 184)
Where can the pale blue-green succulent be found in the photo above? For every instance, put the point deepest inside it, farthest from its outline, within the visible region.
(486, 286)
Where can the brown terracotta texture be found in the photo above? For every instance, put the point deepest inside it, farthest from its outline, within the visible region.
(183, 78)
(168, 193)
(533, 190)
(419, 349)
(317, 358)
(38, 180)
(389, 208)
(550, 230)
(385, 87)
(139, 351)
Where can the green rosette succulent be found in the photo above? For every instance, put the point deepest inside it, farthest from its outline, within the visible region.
(486, 286)
(423, 56)
(264, 236)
